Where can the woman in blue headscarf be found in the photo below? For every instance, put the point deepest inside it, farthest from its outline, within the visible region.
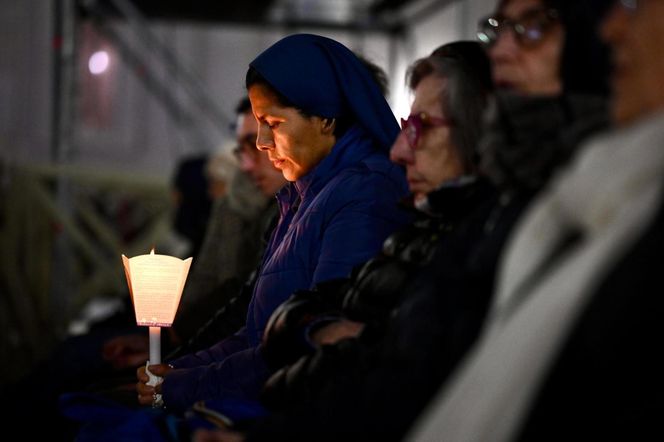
(323, 121)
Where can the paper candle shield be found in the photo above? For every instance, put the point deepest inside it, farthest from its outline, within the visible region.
(155, 284)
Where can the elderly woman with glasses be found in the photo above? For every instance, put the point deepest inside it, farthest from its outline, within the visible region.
(438, 141)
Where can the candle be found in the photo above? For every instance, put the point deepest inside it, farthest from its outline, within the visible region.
(155, 356)
(155, 345)
(155, 285)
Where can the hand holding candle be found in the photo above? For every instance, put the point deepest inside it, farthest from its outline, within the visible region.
(155, 285)
(149, 393)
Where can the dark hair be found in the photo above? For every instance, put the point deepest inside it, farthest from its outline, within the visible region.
(193, 210)
(466, 67)
(377, 73)
(584, 65)
(342, 122)
(243, 106)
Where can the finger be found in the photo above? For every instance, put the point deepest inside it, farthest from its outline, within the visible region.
(141, 374)
(143, 389)
(145, 395)
(159, 369)
(145, 400)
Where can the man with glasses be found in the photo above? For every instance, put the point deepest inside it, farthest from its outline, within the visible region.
(571, 350)
(233, 240)
(252, 161)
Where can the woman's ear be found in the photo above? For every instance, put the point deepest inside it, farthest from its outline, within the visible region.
(328, 125)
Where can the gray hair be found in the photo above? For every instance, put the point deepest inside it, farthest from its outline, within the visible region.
(466, 68)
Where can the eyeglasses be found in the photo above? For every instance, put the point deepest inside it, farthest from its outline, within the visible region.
(529, 29)
(246, 148)
(416, 123)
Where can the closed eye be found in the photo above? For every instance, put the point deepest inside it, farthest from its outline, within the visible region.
(272, 124)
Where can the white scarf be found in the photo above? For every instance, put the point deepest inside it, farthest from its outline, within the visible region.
(610, 195)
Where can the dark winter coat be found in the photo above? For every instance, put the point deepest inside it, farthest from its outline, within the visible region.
(360, 389)
(334, 218)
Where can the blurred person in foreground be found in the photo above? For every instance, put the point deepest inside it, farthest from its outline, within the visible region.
(569, 350)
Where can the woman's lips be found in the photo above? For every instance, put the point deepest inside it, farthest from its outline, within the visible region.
(276, 162)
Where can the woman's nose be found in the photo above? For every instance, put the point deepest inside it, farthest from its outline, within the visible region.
(401, 153)
(505, 45)
(264, 140)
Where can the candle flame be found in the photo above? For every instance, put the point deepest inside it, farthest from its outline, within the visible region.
(152, 251)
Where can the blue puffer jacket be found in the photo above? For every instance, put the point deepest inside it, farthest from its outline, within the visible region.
(333, 219)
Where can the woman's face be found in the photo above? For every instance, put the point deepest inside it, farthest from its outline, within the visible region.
(434, 159)
(294, 144)
(527, 69)
(253, 162)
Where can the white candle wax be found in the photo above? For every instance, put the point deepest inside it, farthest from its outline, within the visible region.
(155, 345)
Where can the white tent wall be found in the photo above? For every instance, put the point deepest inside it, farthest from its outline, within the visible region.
(25, 79)
(140, 134)
(448, 21)
(130, 129)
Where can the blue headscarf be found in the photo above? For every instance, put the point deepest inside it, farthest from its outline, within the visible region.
(325, 78)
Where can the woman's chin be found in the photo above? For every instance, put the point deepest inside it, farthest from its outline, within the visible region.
(289, 175)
